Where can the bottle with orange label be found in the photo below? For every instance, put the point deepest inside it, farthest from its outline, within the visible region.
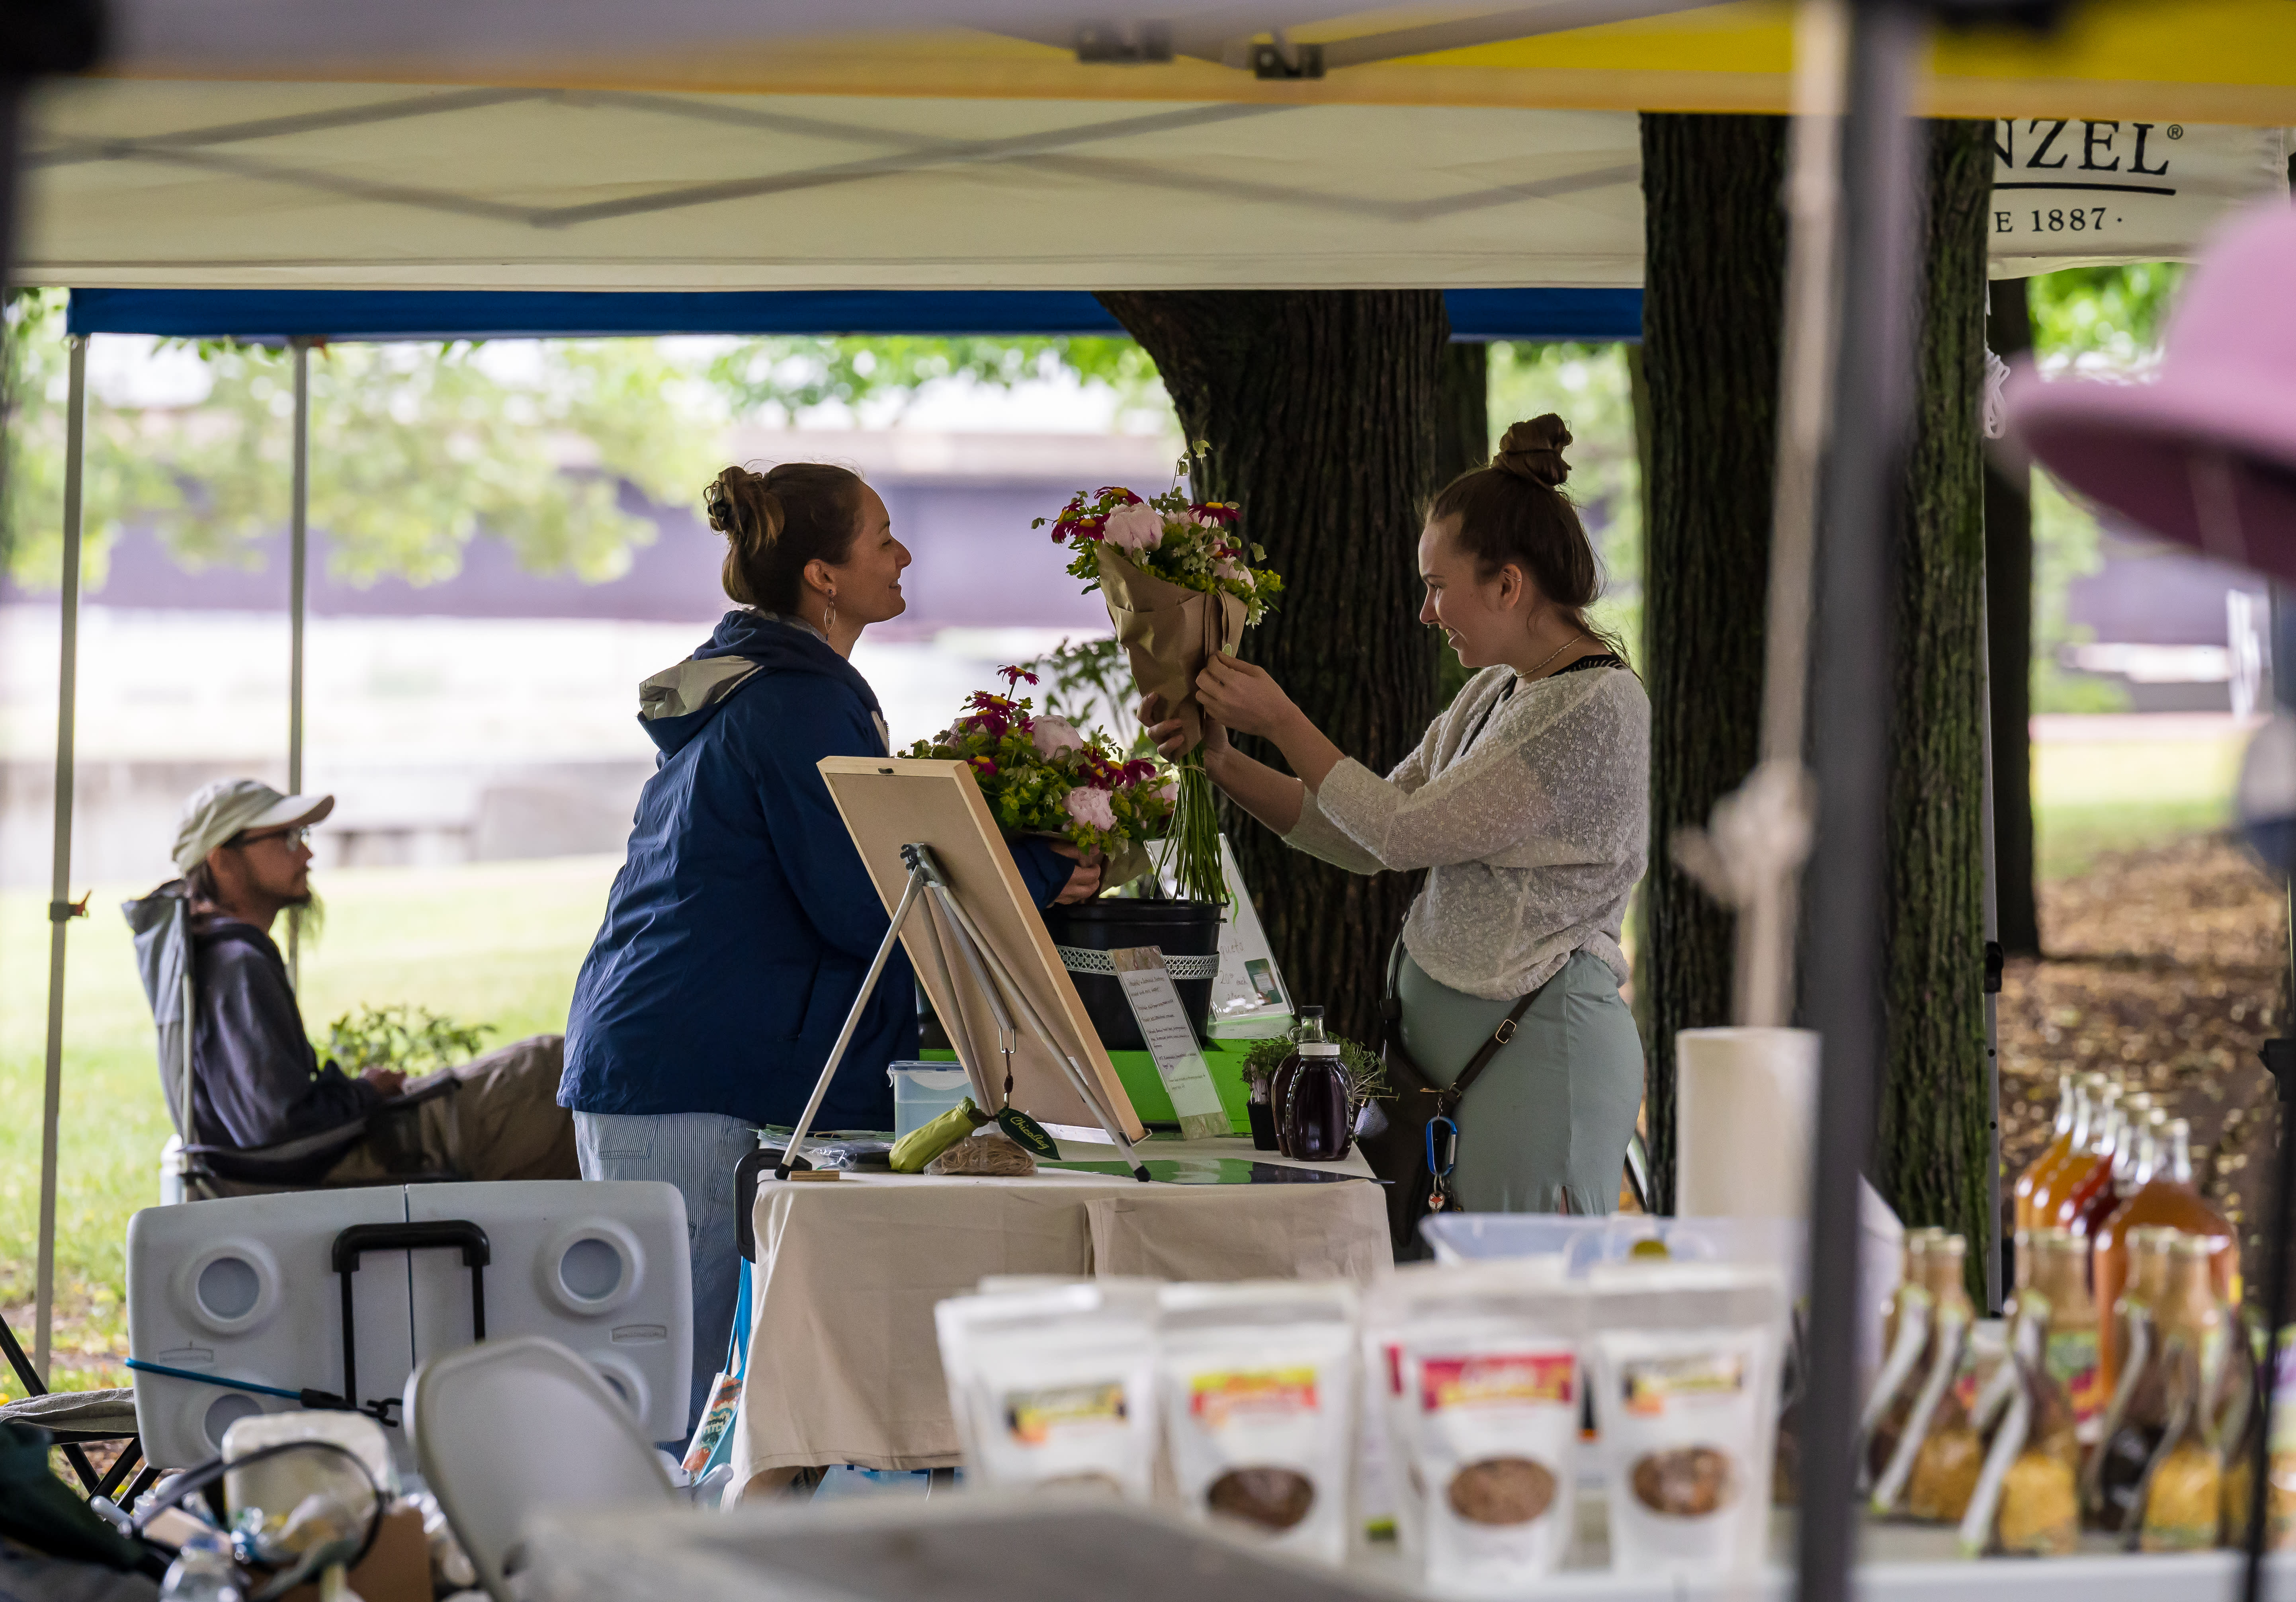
(2022, 1194)
(2170, 1199)
(2051, 1186)
(2068, 1349)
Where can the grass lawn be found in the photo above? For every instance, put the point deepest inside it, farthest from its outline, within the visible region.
(2109, 795)
(493, 942)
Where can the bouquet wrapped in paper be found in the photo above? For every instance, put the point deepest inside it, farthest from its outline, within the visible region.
(1042, 775)
(1182, 583)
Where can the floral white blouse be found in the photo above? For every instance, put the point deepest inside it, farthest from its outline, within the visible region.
(1533, 823)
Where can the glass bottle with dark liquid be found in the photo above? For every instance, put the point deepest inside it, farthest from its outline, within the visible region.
(1309, 1096)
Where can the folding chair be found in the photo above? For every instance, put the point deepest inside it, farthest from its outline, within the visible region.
(76, 1420)
(506, 1428)
(161, 924)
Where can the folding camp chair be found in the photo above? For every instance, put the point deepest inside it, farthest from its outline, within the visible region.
(161, 924)
(76, 1420)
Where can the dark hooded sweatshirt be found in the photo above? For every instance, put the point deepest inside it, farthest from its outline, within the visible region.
(738, 930)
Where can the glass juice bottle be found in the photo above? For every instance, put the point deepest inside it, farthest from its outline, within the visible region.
(2088, 1092)
(2069, 1350)
(2183, 1494)
(2075, 1184)
(2060, 1143)
(1309, 1096)
(2169, 1199)
(2094, 1199)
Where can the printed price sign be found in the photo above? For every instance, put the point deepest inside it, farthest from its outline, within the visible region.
(1171, 1040)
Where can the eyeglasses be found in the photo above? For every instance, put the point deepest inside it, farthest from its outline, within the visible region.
(298, 836)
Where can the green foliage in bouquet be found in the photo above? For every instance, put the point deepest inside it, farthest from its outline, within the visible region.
(1194, 543)
(412, 1040)
(1042, 775)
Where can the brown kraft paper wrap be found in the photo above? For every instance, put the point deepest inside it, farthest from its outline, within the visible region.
(1169, 632)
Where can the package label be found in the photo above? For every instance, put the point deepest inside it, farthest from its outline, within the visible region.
(1034, 1417)
(1217, 1400)
(1648, 1385)
(1498, 1379)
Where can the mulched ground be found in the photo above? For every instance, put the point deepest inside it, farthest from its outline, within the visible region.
(2169, 967)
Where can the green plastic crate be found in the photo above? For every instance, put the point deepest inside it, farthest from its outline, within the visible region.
(1137, 1069)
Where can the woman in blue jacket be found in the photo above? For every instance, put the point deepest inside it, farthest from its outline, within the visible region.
(738, 930)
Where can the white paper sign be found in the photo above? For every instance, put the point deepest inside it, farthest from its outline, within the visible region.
(1249, 1001)
(1171, 1040)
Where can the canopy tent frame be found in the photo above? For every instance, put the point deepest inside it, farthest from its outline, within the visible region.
(299, 319)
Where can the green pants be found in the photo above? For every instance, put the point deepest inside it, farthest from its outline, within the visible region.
(1544, 1127)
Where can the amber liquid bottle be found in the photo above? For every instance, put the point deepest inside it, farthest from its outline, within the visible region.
(2022, 1194)
(2169, 1199)
(2080, 1181)
(2184, 1494)
(2069, 1350)
(1309, 1097)
(2050, 1181)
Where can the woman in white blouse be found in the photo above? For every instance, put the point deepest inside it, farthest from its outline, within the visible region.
(1526, 803)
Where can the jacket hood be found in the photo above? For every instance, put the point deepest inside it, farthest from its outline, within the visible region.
(675, 704)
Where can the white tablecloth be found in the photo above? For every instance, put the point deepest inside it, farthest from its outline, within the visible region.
(843, 1364)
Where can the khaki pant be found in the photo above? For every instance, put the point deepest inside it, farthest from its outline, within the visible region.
(497, 1119)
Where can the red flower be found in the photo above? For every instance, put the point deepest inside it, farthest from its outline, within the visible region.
(1013, 676)
(1124, 497)
(1224, 513)
(985, 764)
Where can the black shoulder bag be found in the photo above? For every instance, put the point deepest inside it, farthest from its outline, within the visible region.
(1409, 1137)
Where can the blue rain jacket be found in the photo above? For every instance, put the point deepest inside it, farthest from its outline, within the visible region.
(739, 928)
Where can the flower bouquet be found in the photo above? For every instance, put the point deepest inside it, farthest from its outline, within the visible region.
(1041, 776)
(1181, 585)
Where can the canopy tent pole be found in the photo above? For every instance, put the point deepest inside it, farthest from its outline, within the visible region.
(1996, 1280)
(60, 907)
(298, 545)
(1861, 503)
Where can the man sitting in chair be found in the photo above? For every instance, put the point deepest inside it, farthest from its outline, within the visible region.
(255, 1080)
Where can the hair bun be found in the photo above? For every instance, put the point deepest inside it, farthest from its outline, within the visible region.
(742, 506)
(1533, 450)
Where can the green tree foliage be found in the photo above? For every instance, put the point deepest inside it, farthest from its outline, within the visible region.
(2091, 320)
(784, 376)
(415, 449)
(2107, 316)
(1586, 385)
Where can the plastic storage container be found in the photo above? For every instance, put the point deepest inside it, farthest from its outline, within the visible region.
(924, 1091)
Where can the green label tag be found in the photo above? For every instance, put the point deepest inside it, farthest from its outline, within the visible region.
(1026, 1133)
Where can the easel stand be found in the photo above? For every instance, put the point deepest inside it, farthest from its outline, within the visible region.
(995, 984)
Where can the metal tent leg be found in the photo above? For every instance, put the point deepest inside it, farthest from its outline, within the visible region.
(60, 909)
(298, 582)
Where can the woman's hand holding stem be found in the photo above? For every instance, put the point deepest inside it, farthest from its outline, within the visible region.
(1236, 696)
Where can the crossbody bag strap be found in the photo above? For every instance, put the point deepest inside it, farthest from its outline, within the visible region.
(1481, 1060)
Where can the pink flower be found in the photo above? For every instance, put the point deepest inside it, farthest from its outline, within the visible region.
(1135, 528)
(1226, 568)
(1055, 734)
(1088, 806)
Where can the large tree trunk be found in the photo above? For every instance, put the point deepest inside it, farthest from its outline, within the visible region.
(1930, 1148)
(1320, 408)
(1712, 310)
(2009, 650)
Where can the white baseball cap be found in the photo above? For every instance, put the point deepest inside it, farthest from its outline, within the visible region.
(232, 807)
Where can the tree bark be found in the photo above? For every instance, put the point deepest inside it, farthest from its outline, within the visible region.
(1713, 306)
(1930, 1145)
(2009, 650)
(1321, 411)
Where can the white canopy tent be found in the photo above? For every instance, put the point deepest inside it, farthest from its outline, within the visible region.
(706, 144)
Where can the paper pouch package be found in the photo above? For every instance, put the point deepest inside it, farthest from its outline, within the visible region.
(1053, 1388)
(1685, 1375)
(1389, 1484)
(1494, 1408)
(1260, 1391)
